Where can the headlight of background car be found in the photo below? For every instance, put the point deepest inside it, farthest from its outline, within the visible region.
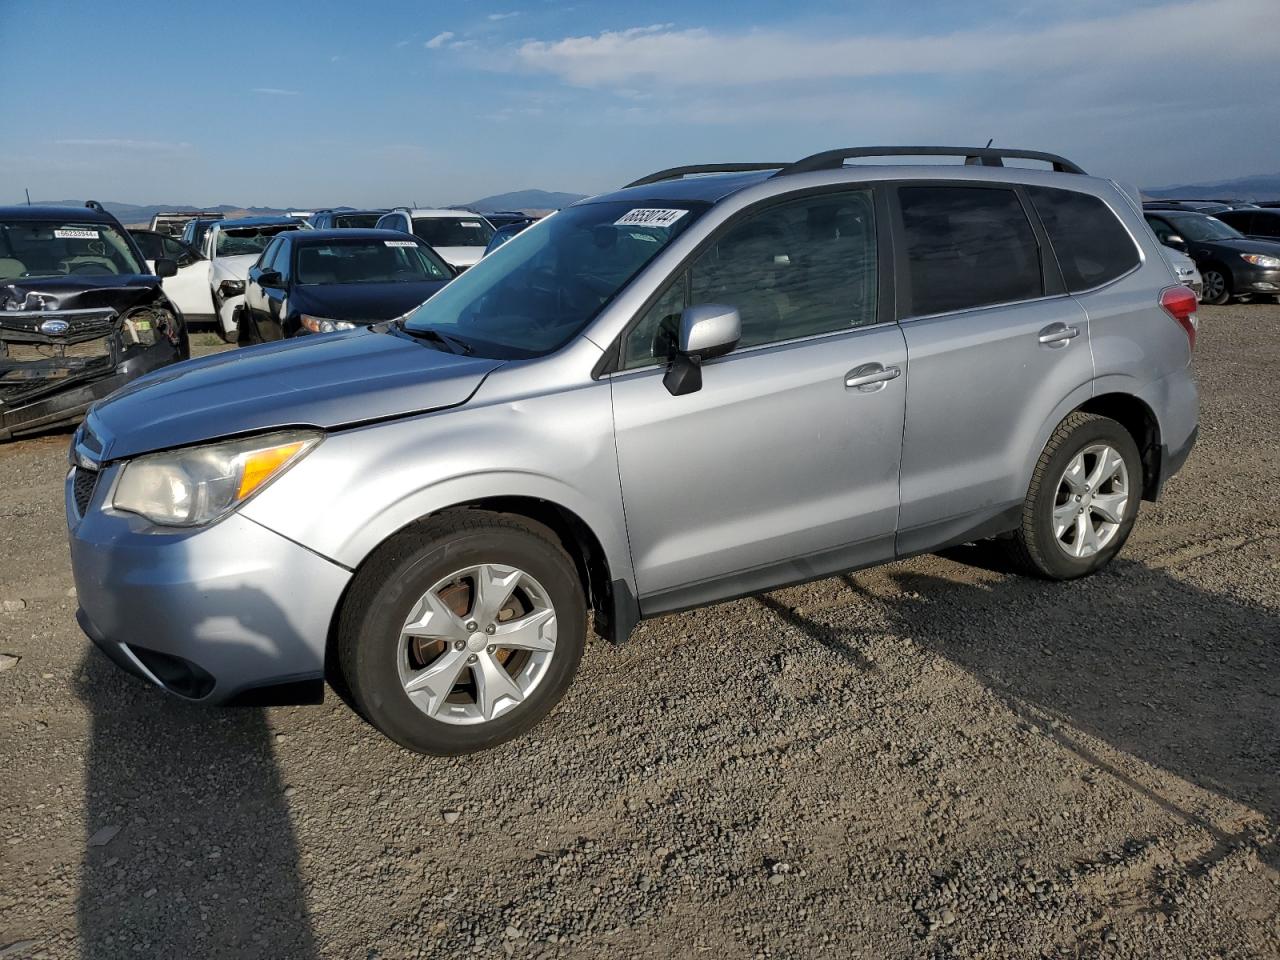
(324, 324)
(1260, 260)
(187, 488)
(230, 288)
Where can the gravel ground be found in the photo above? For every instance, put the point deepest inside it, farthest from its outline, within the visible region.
(933, 758)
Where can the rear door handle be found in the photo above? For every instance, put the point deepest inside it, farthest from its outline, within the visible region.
(1057, 334)
(871, 377)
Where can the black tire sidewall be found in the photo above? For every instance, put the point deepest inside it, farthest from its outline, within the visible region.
(1226, 287)
(375, 681)
(1057, 562)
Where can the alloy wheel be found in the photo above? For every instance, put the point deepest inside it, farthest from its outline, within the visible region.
(1091, 500)
(477, 644)
(1215, 284)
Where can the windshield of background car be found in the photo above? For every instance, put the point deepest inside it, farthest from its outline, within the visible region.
(536, 292)
(59, 248)
(453, 231)
(349, 220)
(239, 241)
(368, 261)
(1205, 228)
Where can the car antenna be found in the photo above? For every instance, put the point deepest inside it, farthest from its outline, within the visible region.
(28, 190)
(990, 141)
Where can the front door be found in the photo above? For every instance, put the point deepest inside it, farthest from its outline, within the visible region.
(784, 465)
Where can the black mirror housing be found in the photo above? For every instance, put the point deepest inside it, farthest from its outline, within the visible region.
(684, 374)
(166, 267)
(269, 278)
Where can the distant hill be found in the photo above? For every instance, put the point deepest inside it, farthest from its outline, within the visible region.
(132, 214)
(1265, 186)
(523, 200)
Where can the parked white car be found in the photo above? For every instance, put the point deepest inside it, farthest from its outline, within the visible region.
(459, 236)
(1183, 266)
(188, 290)
(231, 248)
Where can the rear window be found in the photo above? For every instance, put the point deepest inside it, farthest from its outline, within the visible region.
(968, 247)
(453, 231)
(1092, 246)
(348, 220)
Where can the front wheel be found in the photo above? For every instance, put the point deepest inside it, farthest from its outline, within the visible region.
(1217, 288)
(1082, 501)
(462, 633)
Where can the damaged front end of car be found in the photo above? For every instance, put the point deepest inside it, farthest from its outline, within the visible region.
(65, 344)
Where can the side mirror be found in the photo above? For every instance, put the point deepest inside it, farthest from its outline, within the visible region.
(707, 331)
(269, 278)
(1175, 241)
(166, 268)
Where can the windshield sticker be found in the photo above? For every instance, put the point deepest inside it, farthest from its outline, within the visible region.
(69, 234)
(649, 217)
(471, 223)
(399, 243)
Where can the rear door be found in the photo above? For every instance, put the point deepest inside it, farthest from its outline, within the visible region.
(777, 469)
(994, 346)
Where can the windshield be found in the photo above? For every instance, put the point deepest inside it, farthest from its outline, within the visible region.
(369, 261)
(453, 231)
(348, 220)
(242, 240)
(1205, 228)
(536, 292)
(59, 248)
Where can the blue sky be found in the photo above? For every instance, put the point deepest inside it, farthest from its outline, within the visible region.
(376, 103)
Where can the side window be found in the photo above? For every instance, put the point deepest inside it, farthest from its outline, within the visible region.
(1266, 224)
(795, 269)
(284, 254)
(267, 260)
(967, 247)
(1160, 228)
(151, 244)
(1092, 246)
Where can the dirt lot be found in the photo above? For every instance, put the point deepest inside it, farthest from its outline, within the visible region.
(934, 758)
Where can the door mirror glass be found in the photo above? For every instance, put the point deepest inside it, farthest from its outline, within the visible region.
(707, 331)
(166, 267)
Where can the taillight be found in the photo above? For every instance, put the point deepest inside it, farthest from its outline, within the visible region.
(1180, 303)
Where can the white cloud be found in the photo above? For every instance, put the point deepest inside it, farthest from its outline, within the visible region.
(439, 40)
(275, 91)
(462, 45)
(503, 16)
(663, 56)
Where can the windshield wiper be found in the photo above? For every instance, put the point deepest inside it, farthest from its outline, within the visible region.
(451, 343)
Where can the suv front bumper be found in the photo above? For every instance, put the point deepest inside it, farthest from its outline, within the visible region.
(210, 614)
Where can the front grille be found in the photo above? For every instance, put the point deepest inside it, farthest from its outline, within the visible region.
(82, 483)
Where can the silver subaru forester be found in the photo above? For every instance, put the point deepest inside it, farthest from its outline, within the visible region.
(719, 380)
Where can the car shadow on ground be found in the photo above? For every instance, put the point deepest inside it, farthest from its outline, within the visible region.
(190, 848)
(1181, 678)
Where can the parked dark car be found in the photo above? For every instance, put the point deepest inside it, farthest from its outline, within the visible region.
(1256, 224)
(1231, 264)
(506, 232)
(345, 219)
(502, 218)
(1210, 207)
(80, 314)
(318, 281)
(193, 233)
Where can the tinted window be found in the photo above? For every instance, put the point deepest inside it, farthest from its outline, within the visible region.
(967, 247)
(1092, 246)
(1239, 219)
(270, 255)
(57, 248)
(1160, 228)
(369, 261)
(347, 220)
(453, 231)
(794, 270)
(1265, 224)
(151, 244)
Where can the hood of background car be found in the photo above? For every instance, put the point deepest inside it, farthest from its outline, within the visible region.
(234, 268)
(360, 301)
(1266, 248)
(327, 380)
(78, 292)
(460, 256)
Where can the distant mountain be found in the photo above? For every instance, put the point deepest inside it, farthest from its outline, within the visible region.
(132, 214)
(523, 200)
(1265, 186)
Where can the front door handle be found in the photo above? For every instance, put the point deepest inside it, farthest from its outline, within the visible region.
(1057, 334)
(871, 377)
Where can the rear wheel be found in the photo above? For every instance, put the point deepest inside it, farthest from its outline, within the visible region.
(1217, 288)
(1083, 499)
(464, 633)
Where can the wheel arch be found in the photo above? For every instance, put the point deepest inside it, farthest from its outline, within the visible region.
(1140, 421)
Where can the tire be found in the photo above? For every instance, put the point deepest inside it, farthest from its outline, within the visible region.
(1217, 285)
(378, 659)
(1037, 547)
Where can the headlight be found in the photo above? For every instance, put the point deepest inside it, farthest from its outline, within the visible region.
(1260, 260)
(230, 288)
(187, 488)
(324, 324)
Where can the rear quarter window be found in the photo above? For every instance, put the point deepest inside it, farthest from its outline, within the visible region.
(1092, 245)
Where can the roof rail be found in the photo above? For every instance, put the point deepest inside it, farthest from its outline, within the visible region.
(95, 205)
(980, 156)
(675, 173)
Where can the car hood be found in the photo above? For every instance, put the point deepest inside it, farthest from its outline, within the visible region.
(461, 256)
(1265, 247)
(78, 293)
(360, 301)
(234, 268)
(326, 381)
